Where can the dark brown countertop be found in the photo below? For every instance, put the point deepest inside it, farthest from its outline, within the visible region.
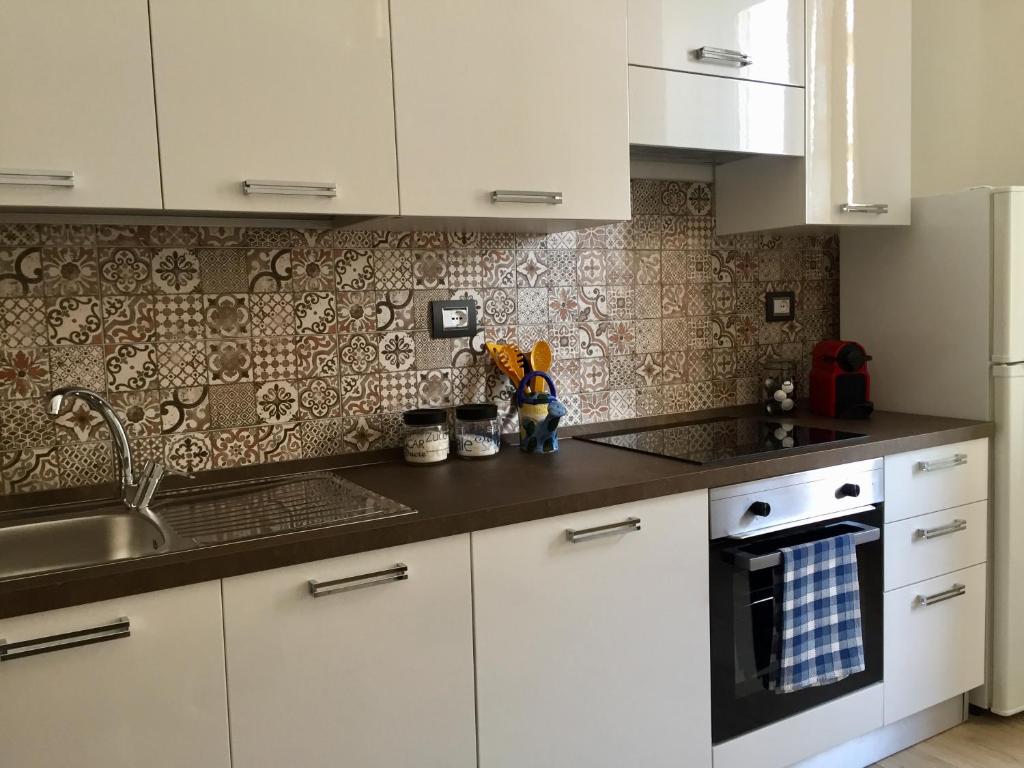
(462, 496)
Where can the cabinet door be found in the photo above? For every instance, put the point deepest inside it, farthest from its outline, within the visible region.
(932, 479)
(76, 83)
(379, 674)
(262, 90)
(934, 641)
(596, 652)
(769, 38)
(133, 681)
(527, 96)
(859, 116)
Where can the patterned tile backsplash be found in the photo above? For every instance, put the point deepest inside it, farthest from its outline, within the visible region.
(228, 346)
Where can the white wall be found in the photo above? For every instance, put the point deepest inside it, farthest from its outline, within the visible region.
(968, 102)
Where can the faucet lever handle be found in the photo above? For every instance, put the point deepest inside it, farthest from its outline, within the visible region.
(149, 481)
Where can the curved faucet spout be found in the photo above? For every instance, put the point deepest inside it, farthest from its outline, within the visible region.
(122, 451)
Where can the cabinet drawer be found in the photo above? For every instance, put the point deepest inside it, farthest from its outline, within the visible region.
(768, 36)
(927, 546)
(919, 482)
(934, 651)
(735, 115)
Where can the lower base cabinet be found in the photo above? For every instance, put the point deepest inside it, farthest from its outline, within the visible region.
(375, 671)
(592, 638)
(136, 681)
(934, 641)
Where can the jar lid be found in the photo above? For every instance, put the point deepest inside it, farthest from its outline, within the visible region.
(425, 417)
(476, 411)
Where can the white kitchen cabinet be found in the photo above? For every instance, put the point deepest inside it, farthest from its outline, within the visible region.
(379, 674)
(79, 129)
(735, 115)
(934, 641)
(596, 652)
(919, 548)
(856, 168)
(143, 686)
(296, 93)
(932, 479)
(525, 97)
(743, 39)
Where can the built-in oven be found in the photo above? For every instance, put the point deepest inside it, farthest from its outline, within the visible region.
(749, 523)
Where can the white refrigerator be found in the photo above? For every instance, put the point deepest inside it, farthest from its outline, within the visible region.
(940, 307)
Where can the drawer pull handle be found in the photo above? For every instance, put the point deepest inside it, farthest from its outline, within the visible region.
(934, 466)
(876, 208)
(24, 648)
(308, 188)
(943, 530)
(525, 196)
(628, 525)
(939, 597)
(723, 55)
(32, 178)
(321, 588)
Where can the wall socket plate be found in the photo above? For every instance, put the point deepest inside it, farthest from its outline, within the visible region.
(450, 319)
(779, 306)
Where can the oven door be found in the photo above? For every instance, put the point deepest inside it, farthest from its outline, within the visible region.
(746, 578)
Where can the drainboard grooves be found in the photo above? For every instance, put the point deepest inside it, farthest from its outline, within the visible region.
(245, 510)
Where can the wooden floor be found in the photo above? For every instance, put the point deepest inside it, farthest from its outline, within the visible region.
(984, 741)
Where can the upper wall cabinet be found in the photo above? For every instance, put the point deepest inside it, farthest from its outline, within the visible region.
(77, 93)
(276, 107)
(743, 39)
(723, 76)
(857, 166)
(512, 110)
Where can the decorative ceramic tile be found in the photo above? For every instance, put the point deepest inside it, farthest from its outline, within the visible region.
(270, 270)
(470, 352)
(648, 336)
(316, 313)
(532, 269)
(230, 361)
(128, 319)
(277, 402)
(24, 373)
(316, 355)
(85, 464)
(74, 320)
(223, 270)
(312, 269)
(357, 352)
(227, 315)
(354, 270)
(274, 358)
(29, 469)
(431, 352)
(593, 303)
(273, 314)
(429, 269)
(188, 453)
(594, 374)
(131, 366)
(176, 270)
(322, 438)
(360, 434)
(392, 270)
(140, 412)
(499, 268)
(395, 310)
(82, 366)
(466, 270)
(397, 351)
(126, 270)
(533, 305)
(356, 311)
(79, 423)
(24, 422)
(434, 389)
(161, 235)
(185, 409)
(21, 272)
(232, 405)
(179, 317)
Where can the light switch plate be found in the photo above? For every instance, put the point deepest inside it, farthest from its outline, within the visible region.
(779, 306)
(450, 319)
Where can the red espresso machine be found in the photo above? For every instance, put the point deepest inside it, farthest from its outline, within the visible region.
(840, 382)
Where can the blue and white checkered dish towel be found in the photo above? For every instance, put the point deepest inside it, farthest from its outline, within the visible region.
(820, 640)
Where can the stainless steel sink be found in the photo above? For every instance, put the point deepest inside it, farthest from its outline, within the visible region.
(72, 541)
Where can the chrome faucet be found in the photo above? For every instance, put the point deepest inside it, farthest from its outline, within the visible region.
(136, 493)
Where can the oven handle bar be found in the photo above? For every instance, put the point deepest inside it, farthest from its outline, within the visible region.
(759, 532)
(745, 561)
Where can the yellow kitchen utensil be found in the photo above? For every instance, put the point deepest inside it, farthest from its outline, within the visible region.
(540, 360)
(515, 367)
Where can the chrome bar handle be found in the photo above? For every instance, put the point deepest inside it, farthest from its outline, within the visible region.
(525, 196)
(723, 55)
(876, 208)
(939, 597)
(321, 588)
(628, 525)
(308, 188)
(943, 530)
(23, 648)
(35, 178)
(934, 466)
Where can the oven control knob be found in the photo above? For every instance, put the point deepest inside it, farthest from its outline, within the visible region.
(848, 490)
(760, 508)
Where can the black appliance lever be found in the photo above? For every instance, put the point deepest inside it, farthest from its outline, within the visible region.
(848, 490)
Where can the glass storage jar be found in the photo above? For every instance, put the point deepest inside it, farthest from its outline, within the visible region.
(779, 386)
(477, 430)
(426, 435)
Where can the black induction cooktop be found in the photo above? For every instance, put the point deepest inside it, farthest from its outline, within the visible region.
(708, 442)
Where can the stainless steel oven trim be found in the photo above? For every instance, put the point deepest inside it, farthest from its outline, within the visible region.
(756, 534)
(744, 561)
(797, 478)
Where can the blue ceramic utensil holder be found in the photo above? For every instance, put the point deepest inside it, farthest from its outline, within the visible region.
(539, 415)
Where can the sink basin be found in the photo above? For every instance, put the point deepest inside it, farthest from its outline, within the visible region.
(70, 541)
